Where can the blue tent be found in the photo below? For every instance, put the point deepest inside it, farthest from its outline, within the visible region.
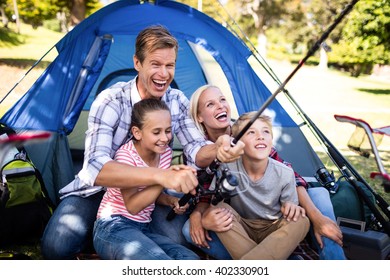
(98, 52)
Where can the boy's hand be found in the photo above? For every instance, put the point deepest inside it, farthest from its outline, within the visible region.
(291, 211)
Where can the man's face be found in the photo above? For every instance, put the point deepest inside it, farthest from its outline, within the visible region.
(156, 73)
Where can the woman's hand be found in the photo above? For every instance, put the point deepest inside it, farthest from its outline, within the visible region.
(226, 152)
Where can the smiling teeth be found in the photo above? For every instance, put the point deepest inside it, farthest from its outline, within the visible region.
(224, 114)
(260, 146)
(159, 82)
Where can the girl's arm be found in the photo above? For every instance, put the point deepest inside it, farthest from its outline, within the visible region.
(136, 201)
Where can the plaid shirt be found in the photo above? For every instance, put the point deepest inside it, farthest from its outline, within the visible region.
(109, 127)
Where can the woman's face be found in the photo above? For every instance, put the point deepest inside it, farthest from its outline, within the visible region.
(213, 109)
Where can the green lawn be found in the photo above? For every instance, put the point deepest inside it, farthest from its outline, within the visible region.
(30, 44)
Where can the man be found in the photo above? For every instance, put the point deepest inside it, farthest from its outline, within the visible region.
(71, 225)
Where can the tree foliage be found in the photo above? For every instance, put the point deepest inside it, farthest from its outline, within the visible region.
(35, 12)
(361, 40)
(358, 42)
(365, 39)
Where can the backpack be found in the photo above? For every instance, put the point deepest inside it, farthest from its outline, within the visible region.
(25, 207)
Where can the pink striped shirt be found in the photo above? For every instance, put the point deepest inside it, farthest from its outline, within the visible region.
(112, 202)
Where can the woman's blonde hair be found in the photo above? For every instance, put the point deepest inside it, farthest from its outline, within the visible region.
(194, 103)
(245, 118)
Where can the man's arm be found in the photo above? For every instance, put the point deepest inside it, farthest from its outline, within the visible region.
(114, 174)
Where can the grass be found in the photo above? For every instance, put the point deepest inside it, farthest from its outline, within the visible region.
(321, 94)
(28, 44)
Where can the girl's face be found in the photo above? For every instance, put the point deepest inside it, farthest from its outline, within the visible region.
(258, 141)
(213, 109)
(156, 132)
(156, 72)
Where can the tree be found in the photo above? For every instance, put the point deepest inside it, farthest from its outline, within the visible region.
(35, 12)
(365, 39)
(259, 15)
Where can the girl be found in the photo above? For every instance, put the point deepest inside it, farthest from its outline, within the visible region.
(122, 230)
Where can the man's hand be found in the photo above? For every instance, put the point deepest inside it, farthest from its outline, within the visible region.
(180, 178)
(225, 151)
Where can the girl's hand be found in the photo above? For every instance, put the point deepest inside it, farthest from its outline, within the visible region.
(174, 203)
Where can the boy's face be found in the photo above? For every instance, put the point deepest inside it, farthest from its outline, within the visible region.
(156, 72)
(258, 141)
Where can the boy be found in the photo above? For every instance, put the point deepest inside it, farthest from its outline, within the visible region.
(268, 223)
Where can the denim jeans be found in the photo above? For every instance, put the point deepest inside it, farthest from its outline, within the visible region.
(331, 250)
(119, 238)
(217, 250)
(69, 230)
(172, 228)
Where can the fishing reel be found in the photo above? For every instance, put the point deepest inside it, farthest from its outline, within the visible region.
(326, 179)
(225, 186)
(221, 182)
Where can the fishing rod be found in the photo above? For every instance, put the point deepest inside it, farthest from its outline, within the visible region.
(343, 165)
(215, 164)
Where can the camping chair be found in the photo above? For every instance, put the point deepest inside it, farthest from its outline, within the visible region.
(365, 140)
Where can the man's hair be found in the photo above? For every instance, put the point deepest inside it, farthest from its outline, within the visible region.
(153, 38)
(245, 118)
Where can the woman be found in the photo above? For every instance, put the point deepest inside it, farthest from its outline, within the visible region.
(212, 115)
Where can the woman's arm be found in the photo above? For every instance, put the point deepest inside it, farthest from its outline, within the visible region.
(322, 225)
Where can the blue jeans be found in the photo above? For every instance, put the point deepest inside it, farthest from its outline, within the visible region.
(331, 250)
(217, 250)
(69, 230)
(171, 229)
(119, 238)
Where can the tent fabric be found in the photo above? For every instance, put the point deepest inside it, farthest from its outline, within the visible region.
(98, 52)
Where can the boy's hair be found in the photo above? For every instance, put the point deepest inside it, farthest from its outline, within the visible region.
(153, 38)
(141, 108)
(194, 110)
(245, 118)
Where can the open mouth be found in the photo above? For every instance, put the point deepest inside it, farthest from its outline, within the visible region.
(159, 84)
(221, 116)
(261, 146)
